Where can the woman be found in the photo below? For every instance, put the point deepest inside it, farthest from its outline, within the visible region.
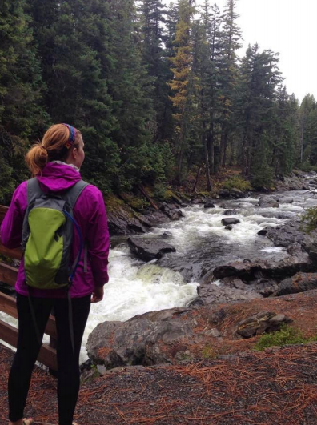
(56, 162)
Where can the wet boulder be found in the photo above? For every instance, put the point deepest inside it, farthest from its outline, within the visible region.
(300, 282)
(229, 221)
(167, 235)
(262, 232)
(172, 211)
(230, 212)
(209, 204)
(269, 202)
(236, 193)
(258, 324)
(264, 269)
(149, 249)
(209, 293)
(224, 193)
(287, 234)
(293, 182)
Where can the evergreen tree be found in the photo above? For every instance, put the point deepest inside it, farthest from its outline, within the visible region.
(72, 38)
(22, 116)
(131, 91)
(228, 72)
(181, 68)
(152, 17)
(285, 133)
(308, 130)
(257, 94)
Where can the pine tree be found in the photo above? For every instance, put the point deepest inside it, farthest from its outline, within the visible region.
(257, 95)
(22, 117)
(72, 37)
(181, 68)
(228, 71)
(308, 129)
(131, 91)
(152, 19)
(284, 134)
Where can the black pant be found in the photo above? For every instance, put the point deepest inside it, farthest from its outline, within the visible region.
(29, 346)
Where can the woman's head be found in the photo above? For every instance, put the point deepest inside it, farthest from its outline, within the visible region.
(61, 142)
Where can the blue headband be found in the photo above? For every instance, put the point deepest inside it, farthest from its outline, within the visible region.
(72, 132)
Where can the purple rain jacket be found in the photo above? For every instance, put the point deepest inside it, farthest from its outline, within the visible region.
(90, 214)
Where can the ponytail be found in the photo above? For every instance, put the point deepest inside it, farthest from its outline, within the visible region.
(36, 159)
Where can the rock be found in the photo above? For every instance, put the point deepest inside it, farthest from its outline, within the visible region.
(268, 202)
(124, 220)
(265, 269)
(210, 294)
(171, 211)
(213, 332)
(228, 227)
(209, 204)
(167, 235)
(149, 249)
(309, 244)
(263, 322)
(287, 200)
(295, 249)
(287, 234)
(224, 193)
(138, 342)
(294, 182)
(236, 193)
(262, 232)
(135, 227)
(230, 212)
(232, 193)
(229, 221)
(300, 282)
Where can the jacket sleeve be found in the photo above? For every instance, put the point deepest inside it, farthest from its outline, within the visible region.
(11, 227)
(98, 241)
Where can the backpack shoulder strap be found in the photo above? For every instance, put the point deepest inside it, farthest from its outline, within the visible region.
(73, 193)
(33, 190)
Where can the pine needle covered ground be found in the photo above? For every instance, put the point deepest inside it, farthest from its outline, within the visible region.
(277, 386)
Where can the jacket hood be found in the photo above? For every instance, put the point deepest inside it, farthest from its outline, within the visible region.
(57, 177)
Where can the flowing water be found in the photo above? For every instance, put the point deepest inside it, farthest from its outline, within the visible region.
(201, 243)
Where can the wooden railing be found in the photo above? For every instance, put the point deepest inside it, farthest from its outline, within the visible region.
(8, 333)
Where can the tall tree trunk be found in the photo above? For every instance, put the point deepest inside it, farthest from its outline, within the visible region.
(207, 159)
(216, 158)
(196, 179)
(223, 146)
(302, 142)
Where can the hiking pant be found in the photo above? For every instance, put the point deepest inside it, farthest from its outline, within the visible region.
(29, 346)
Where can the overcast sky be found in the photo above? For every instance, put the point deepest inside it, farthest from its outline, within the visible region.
(287, 27)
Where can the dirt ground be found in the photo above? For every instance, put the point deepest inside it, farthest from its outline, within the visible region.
(278, 386)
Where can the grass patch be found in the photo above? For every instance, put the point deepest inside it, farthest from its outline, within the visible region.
(209, 353)
(285, 336)
(236, 182)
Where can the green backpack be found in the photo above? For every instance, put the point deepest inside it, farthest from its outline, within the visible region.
(47, 236)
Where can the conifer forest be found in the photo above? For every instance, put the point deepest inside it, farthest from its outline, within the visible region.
(158, 92)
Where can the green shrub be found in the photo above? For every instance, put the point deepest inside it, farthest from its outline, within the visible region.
(305, 166)
(286, 335)
(160, 192)
(309, 220)
(237, 182)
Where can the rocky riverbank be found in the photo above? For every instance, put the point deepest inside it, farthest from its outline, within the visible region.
(236, 302)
